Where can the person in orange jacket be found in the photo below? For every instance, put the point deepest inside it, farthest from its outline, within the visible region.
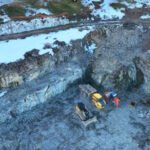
(113, 97)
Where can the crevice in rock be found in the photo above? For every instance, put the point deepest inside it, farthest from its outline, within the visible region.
(122, 79)
(139, 73)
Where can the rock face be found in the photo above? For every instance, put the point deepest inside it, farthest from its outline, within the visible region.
(119, 62)
(10, 80)
(30, 68)
(35, 65)
(38, 91)
(34, 116)
(114, 63)
(38, 78)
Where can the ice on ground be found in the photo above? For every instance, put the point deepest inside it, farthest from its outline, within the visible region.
(3, 93)
(147, 16)
(3, 2)
(15, 49)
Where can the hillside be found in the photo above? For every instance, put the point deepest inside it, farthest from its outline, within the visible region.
(50, 47)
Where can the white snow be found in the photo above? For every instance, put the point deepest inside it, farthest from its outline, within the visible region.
(3, 93)
(137, 4)
(21, 26)
(90, 48)
(32, 11)
(3, 2)
(15, 49)
(5, 18)
(147, 16)
(49, 50)
(106, 11)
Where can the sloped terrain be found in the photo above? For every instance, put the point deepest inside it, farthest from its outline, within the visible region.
(39, 75)
(35, 114)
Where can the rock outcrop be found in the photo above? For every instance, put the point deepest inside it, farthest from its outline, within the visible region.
(38, 78)
(34, 65)
(38, 91)
(10, 79)
(114, 63)
(118, 62)
(30, 68)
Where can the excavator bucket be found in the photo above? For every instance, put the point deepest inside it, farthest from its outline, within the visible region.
(89, 121)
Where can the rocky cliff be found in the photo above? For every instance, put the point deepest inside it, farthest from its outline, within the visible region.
(37, 114)
(119, 62)
(119, 58)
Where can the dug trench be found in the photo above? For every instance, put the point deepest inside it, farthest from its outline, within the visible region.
(37, 112)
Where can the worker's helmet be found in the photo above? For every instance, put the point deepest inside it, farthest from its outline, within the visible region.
(114, 94)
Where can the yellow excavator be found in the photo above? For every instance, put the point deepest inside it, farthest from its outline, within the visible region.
(98, 100)
(95, 96)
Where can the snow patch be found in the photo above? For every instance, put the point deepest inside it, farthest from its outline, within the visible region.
(22, 26)
(32, 11)
(5, 18)
(90, 48)
(15, 49)
(137, 4)
(3, 93)
(105, 11)
(147, 16)
(49, 50)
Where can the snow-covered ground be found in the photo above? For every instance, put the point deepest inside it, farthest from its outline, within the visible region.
(108, 12)
(15, 49)
(105, 11)
(21, 26)
(137, 4)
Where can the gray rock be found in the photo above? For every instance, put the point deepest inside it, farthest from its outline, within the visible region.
(114, 64)
(38, 91)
